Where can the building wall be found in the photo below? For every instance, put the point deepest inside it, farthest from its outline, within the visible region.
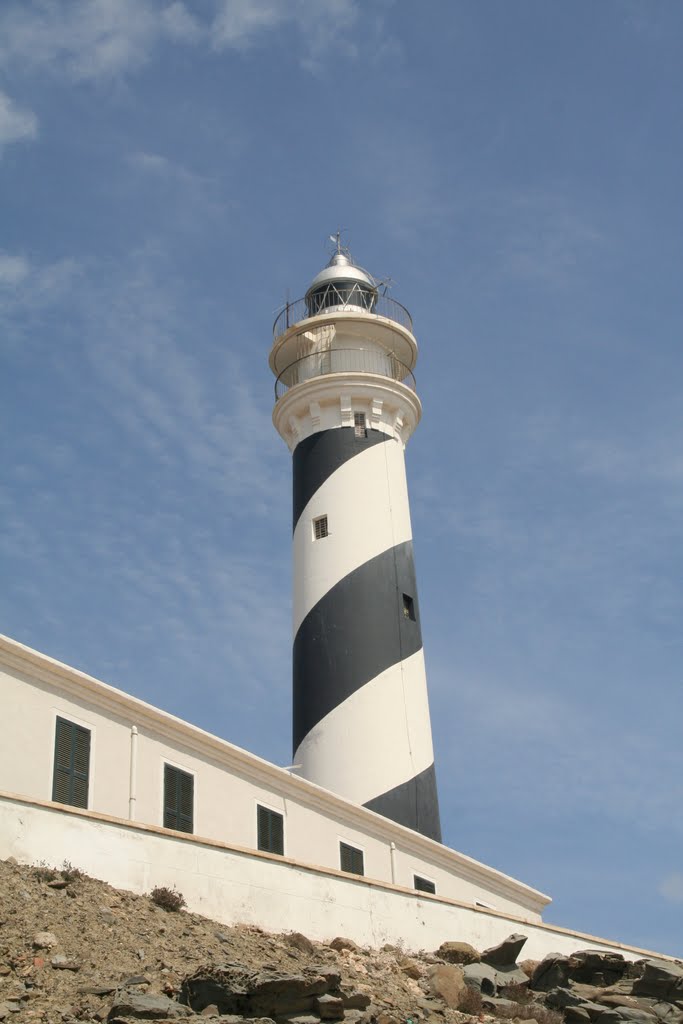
(228, 784)
(233, 885)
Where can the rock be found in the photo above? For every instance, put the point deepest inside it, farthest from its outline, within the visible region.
(410, 968)
(576, 1015)
(210, 1011)
(559, 998)
(355, 999)
(136, 979)
(147, 1007)
(235, 989)
(667, 1013)
(512, 975)
(458, 953)
(660, 979)
(107, 915)
(606, 1017)
(529, 966)
(634, 1013)
(329, 1007)
(341, 943)
(480, 976)
(58, 883)
(99, 990)
(505, 953)
(5, 969)
(300, 942)
(592, 967)
(552, 972)
(331, 974)
(447, 982)
(4, 1011)
(64, 963)
(44, 940)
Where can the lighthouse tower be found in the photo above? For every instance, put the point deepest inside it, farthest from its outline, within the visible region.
(346, 405)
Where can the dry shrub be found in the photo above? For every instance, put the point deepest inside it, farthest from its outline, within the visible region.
(44, 873)
(517, 993)
(71, 874)
(471, 1002)
(169, 899)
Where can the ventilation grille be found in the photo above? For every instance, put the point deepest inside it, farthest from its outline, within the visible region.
(424, 885)
(320, 529)
(359, 426)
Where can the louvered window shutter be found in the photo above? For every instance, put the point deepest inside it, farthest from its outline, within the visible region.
(72, 764)
(178, 799)
(271, 830)
(351, 859)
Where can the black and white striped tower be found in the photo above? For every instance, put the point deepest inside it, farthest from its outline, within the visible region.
(346, 405)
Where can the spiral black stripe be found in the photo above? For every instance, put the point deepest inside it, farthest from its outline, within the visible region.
(357, 630)
(319, 455)
(414, 804)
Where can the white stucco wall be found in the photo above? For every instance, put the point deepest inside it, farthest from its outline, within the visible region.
(229, 783)
(232, 885)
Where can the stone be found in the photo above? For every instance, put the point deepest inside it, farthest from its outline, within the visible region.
(606, 1017)
(210, 1011)
(236, 989)
(329, 1007)
(458, 953)
(146, 1007)
(576, 1015)
(559, 998)
(480, 976)
(341, 943)
(64, 963)
(511, 975)
(136, 979)
(552, 972)
(44, 940)
(593, 967)
(667, 1013)
(105, 989)
(4, 1011)
(635, 1014)
(300, 942)
(660, 979)
(529, 966)
(505, 953)
(447, 981)
(58, 883)
(410, 968)
(354, 999)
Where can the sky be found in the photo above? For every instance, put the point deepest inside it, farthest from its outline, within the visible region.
(169, 174)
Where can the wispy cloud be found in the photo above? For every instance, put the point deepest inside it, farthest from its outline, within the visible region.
(16, 123)
(671, 887)
(98, 39)
(91, 39)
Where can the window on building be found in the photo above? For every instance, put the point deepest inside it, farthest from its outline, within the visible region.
(408, 607)
(271, 830)
(178, 799)
(320, 529)
(351, 859)
(359, 426)
(423, 884)
(72, 764)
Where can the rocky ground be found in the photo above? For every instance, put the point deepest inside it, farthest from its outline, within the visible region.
(74, 949)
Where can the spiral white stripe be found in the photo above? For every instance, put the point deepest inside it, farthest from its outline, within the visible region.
(366, 502)
(386, 722)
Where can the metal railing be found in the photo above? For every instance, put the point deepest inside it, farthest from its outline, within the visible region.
(382, 306)
(343, 360)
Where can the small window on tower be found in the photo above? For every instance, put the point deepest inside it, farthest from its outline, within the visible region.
(359, 424)
(408, 607)
(320, 529)
(351, 859)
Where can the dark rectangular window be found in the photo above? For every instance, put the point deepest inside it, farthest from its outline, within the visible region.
(351, 859)
(271, 830)
(424, 885)
(359, 427)
(72, 764)
(178, 799)
(320, 529)
(408, 607)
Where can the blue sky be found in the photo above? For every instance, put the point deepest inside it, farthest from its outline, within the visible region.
(168, 172)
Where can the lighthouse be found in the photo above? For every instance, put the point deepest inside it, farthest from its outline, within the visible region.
(346, 405)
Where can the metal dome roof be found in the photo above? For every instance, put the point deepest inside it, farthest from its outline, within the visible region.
(341, 268)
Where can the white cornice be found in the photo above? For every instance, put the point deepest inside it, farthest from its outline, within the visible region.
(54, 673)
